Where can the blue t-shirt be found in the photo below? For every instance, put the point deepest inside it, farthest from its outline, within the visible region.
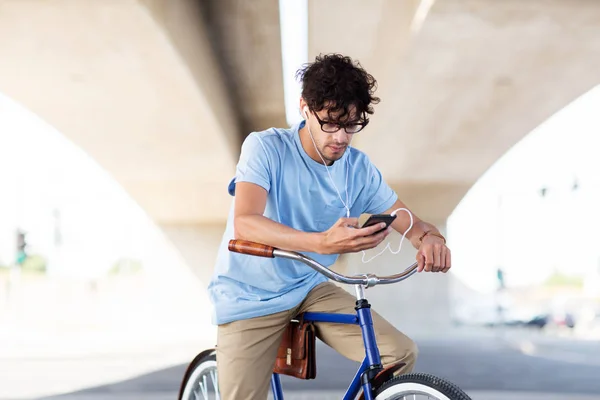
(300, 195)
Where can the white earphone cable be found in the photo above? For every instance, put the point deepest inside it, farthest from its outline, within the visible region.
(328, 173)
(387, 246)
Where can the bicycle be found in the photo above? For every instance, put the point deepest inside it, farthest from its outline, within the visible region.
(375, 382)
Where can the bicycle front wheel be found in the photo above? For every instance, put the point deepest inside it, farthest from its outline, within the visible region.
(419, 386)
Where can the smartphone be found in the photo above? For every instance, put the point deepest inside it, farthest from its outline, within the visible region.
(378, 218)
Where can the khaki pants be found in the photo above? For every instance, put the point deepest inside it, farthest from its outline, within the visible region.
(247, 349)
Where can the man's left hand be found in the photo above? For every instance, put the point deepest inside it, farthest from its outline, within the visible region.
(433, 255)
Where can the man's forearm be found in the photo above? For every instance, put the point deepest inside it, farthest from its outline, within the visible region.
(260, 229)
(417, 231)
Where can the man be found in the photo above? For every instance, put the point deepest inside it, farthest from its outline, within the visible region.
(303, 189)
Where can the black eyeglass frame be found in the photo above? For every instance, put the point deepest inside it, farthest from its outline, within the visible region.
(339, 126)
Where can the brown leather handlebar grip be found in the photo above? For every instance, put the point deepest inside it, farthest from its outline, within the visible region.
(251, 248)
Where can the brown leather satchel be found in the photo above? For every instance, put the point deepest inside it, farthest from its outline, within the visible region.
(296, 354)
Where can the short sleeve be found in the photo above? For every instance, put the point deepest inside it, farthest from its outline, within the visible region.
(379, 196)
(253, 165)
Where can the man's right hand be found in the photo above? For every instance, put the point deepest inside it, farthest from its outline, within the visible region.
(345, 237)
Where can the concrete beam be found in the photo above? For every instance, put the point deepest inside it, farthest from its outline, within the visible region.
(246, 40)
(186, 27)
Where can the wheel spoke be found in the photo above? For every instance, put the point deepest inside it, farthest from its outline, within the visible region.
(202, 381)
(204, 387)
(213, 377)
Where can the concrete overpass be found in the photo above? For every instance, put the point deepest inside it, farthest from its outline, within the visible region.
(161, 94)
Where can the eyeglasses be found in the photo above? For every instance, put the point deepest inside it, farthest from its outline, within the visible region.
(333, 127)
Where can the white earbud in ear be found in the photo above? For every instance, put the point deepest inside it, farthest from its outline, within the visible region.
(305, 109)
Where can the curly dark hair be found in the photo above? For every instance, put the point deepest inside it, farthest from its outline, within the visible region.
(336, 82)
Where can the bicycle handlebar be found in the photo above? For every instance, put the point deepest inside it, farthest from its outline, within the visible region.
(367, 280)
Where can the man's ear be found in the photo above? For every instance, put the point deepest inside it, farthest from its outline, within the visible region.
(303, 103)
(303, 108)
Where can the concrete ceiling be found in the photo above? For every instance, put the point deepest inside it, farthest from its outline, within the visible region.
(160, 93)
(139, 86)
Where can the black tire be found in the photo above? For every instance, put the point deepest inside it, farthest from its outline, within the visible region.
(415, 383)
(206, 366)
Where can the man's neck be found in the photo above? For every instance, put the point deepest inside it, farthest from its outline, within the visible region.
(309, 147)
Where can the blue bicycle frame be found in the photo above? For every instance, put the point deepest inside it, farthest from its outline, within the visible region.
(371, 365)
(371, 362)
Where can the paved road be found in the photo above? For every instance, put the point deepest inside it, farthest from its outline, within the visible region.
(477, 364)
